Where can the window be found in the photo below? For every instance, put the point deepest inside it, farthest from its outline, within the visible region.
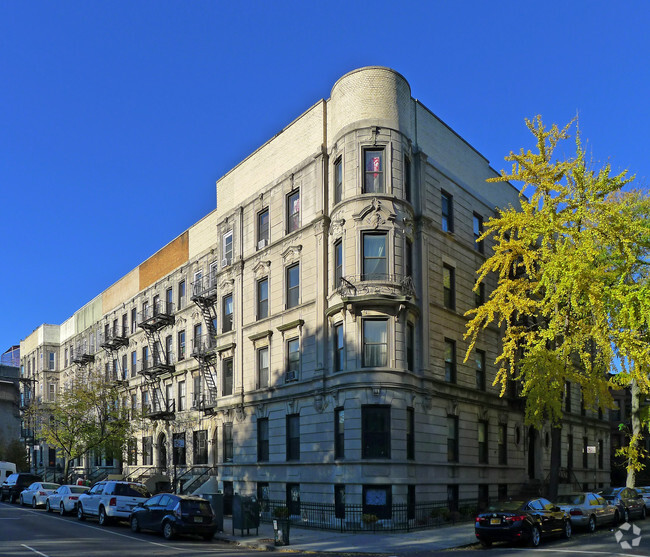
(569, 453)
(407, 179)
(51, 392)
(339, 433)
(66, 361)
(338, 263)
(483, 442)
(226, 322)
(339, 348)
(448, 287)
(410, 502)
(377, 500)
(447, 212)
(293, 211)
(375, 342)
(293, 437)
(338, 180)
(293, 285)
(227, 442)
(169, 357)
(375, 264)
(227, 248)
(503, 444)
(263, 298)
(197, 392)
(125, 367)
(339, 501)
(410, 346)
(181, 345)
(182, 393)
(198, 332)
(408, 258)
(125, 325)
(147, 451)
(479, 295)
(450, 361)
(585, 444)
(134, 363)
(263, 367)
(293, 359)
(181, 294)
(227, 377)
(478, 231)
(179, 455)
(200, 444)
(263, 229)
(567, 396)
(132, 452)
(169, 395)
(262, 439)
(452, 438)
(145, 357)
(169, 301)
(134, 320)
(479, 363)
(600, 454)
(50, 363)
(375, 431)
(410, 433)
(374, 174)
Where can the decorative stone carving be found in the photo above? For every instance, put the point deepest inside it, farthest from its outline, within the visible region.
(261, 269)
(319, 403)
(337, 227)
(240, 413)
(374, 214)
(291, 253)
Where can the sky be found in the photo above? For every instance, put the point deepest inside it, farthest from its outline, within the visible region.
(117, 118)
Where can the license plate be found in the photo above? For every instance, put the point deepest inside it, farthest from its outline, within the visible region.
(495, 521)
(198, 519)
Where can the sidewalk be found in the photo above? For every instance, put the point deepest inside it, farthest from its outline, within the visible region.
(305, 539)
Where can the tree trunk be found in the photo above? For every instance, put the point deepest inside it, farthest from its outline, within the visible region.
(556, 460)
(635, 418)
(66, 470)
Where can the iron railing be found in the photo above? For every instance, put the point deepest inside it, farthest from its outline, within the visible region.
(376, 284)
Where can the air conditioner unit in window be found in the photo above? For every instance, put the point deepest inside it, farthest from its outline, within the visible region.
(261, 244)
(290, 376)
(225, 262)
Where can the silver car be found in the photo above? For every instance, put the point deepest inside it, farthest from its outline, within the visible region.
(588, 510)
(65, 498)
(36, 494)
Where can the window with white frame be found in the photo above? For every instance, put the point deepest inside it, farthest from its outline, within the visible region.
(293, 359)
(375, 342)
(263, 367)
(339, 347)
(338, 180)
(263, 228)
(226, 322)
(226, 374)
(373, 180)
(263, 298)
(293, 285)
(375, 260)
(293, 211)
(227, 249)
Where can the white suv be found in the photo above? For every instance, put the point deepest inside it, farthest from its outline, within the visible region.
(110, 500)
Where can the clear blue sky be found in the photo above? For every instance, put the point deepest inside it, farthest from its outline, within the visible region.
(117, 118)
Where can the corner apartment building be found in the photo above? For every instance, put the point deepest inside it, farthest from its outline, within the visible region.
(304, 340)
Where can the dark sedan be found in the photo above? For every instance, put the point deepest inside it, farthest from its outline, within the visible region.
(525, 521)
(629, 501)
(175, 514)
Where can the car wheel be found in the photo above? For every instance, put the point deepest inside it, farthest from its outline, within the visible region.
(80, 513)
(535, 536)
(12, 498)
(135, 526)
(21, 500)
(643, 513)
(567, 529)
(2, 497)
(103, 519)
(62, 509)
(47, 506)
(626, 515)
(168, 530)
(617, 517)
(34, 505)
(591, 525)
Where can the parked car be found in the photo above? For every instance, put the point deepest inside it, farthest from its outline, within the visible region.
(37, 493)
(645, 493)
(588, 510)
(175, 514)
(528, 520)
(111, 500)
(65, 498)
(15, 483)
(628, 500)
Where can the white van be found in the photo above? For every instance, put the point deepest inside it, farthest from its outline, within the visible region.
(6, 469)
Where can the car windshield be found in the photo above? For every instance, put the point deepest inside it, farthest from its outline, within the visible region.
(50, 486)
(194, 506)
(610, 492)
(78, 489)
(506, 506)
(132, 490)
(571, 499)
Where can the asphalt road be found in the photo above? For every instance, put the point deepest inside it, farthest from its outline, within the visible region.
(34, 533)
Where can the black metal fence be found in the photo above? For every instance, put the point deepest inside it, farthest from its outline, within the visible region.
(399, 517)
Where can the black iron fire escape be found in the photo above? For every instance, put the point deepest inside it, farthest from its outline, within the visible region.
(205, 295)
(153, 320)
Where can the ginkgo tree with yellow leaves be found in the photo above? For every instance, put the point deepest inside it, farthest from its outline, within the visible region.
(570, 263)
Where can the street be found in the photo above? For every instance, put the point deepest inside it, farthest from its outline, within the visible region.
(25, 532)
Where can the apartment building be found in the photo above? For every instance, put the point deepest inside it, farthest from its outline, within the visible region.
(304, 340)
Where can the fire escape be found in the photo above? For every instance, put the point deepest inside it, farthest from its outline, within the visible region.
(204, 295)
(84, 353)
(153, 320)
(114, 338)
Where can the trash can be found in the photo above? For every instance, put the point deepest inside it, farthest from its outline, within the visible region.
(245, 514)
(216, 502)
(281, 531)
